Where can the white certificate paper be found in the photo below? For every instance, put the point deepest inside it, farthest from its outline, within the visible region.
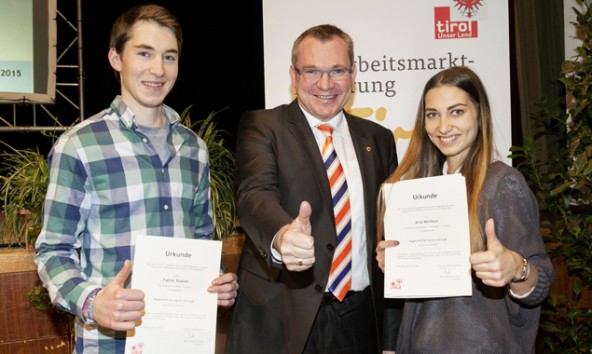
(180, 315)
(429, 217)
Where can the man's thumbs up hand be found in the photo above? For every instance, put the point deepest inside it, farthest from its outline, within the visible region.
(116, 307)
(295, 242)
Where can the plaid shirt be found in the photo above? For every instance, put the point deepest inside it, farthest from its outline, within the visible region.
(108, 186)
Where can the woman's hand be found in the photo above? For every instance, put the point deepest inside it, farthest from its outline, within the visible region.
(498, 265)
(226, 285)
(382, 245)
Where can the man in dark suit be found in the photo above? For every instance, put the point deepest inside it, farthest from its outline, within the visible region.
(285, 206)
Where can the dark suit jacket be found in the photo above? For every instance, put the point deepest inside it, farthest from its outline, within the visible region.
(278, 166)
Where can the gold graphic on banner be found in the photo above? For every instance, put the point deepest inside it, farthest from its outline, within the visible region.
(380, 115)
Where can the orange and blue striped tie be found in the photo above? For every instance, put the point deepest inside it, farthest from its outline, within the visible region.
(340, 275)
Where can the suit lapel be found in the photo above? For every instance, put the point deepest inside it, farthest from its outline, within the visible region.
(364, 153)
(367, 162)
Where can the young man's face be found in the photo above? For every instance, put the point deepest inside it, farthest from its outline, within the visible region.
(148, 65)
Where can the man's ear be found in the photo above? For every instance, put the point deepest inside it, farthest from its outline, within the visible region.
(293, 77)
(115, 59)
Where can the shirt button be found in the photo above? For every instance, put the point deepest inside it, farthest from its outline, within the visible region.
(166, 207)
(144, 140)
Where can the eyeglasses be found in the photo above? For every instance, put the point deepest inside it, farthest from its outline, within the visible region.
(314, 74)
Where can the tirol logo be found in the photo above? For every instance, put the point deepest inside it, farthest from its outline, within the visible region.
(445, 28)
(468, 8)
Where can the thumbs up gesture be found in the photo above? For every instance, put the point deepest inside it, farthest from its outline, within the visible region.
(295, 242)
(497, 265)
(116, 307)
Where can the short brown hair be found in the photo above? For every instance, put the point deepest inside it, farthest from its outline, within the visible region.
(120, 32)
(323, 33)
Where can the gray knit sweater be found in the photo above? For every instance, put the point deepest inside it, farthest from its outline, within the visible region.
(492, 320)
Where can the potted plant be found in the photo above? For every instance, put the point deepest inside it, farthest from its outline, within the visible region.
(563, 186)
(221, 173)
(23, 184)
(225, 220)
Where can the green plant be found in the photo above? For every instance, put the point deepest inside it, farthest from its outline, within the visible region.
(565, 323)
(39, 299)
(221, 173)
(563, 185)
(23, 184)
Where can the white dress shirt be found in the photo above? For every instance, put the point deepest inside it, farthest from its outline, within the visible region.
(344, 148)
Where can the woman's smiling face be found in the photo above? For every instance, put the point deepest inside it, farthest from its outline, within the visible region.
(451, 123)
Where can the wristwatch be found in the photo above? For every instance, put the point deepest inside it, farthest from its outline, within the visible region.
(525, 272)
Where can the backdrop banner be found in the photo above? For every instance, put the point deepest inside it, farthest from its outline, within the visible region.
(398, 46)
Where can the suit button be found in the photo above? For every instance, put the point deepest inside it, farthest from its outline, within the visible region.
(263, 253)
(319, 288)
(330, 247)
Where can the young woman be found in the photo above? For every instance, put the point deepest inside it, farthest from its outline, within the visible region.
(511, 271)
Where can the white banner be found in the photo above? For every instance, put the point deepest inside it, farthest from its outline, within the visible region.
(398, 46)
(572, 39)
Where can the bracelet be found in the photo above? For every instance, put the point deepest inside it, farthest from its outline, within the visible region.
(524, 273)
(87, 309)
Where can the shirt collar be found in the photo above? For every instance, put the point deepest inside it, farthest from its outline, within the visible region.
(337, 122)
(127, 117)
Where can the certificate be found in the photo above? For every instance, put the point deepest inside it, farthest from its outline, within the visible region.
(429, 218)
(180, 315)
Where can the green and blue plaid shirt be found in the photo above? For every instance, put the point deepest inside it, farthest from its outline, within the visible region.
(108, 186)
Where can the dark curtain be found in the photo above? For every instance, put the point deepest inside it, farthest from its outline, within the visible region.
(538, 51)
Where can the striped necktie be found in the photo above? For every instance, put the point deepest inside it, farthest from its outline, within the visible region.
(340, 275)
